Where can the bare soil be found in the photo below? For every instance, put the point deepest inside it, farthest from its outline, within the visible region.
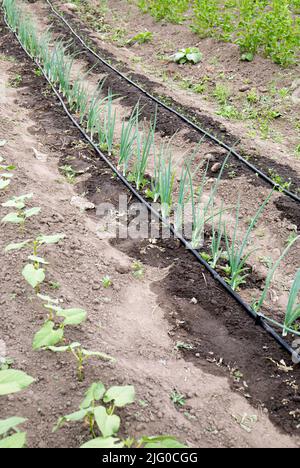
(233, 369)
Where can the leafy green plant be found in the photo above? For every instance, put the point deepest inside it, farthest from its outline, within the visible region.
(128, 137)
(81, 355)
(138, 270)
(35, 244)
(21, 214)
(97, 411)
(11, 382)
(34, 272)
(277, 179)
(6, 176)
(101, 416)
(106, 282)
(144, 144)
(141, 38)
(69, 173)
(177, 398)
(189, 55)
(52, 332)
(169, 10)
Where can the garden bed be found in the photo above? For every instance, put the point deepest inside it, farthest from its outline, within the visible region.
(225, 343)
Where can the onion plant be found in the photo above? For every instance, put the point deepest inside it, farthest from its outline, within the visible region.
(128, 137)
(258, 305)
(165, 180)
(293, 308)
(216, 248)
(202, 206)
(94, 110)
(236, 249)
(144, 143)
(109, 123)
(13, 13)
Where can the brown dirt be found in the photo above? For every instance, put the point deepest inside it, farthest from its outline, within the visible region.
(135, 321)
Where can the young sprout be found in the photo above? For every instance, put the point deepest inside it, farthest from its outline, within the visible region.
(177, 398)
(109, 124)
(138, 270)
(21, 214)
(36, 243)
(141, 38)
(81, 355)
(12, 381)
(102, 416)
(34, 275)
(106, 282)
(144, 145)
(52, 333)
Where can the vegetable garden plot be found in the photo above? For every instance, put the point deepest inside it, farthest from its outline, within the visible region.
(269, 173)
(235, 254)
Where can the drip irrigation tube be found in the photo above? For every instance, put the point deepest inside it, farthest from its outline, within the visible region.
(259, 320)
(211, 137)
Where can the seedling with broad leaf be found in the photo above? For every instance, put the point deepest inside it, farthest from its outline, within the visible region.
(12, 381)
(81, 355)
(189, 55)
(36, 243)
(97, 411)
(21, 214)
(6, 176)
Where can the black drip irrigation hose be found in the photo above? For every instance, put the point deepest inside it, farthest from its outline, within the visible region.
(211, 137)
(259, 320)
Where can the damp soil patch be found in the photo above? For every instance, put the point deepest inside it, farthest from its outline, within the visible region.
(224, 340)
